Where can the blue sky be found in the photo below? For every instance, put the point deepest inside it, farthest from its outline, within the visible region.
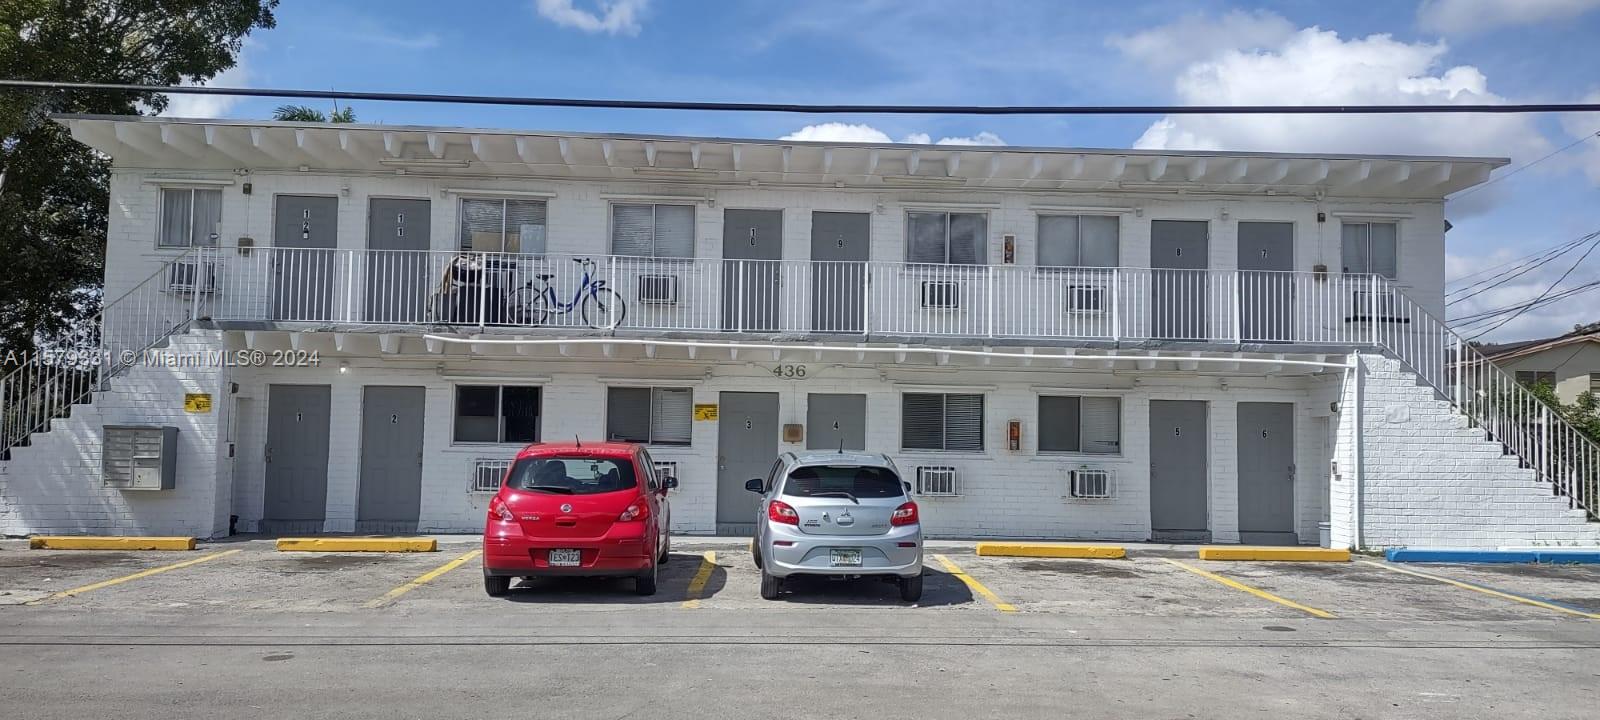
(1046, 52)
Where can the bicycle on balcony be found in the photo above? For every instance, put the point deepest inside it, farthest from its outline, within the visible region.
(536, 302)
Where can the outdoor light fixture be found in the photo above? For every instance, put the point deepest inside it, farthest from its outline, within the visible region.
(344, 366)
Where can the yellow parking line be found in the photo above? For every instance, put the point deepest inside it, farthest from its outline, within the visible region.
(976, 586)
(708, 563)
(422, 579)
(125, 578)
(1488, 591)
(1253, 591)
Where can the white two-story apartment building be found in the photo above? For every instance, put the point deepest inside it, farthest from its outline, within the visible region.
(352, 328)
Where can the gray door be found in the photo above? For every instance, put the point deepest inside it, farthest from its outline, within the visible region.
(747, 444)
(397, 260)
(752, 242)
(839, 244)
(390, 495)
(305, 231)
(1266, 255)
(1178, 471)
(833, 419)
(1266, 473)
(1178, 250)
(296, 459)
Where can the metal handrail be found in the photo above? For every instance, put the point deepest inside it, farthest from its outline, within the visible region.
(68, 367)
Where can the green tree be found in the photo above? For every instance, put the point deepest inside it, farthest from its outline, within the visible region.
(304, 113)
(53, 191)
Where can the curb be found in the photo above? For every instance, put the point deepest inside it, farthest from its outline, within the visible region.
(1276, 554)
(392, 545)
(1052, 550)
(92, 542)
(1493, 556)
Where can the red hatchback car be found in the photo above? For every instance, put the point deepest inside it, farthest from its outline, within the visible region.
(588, 509)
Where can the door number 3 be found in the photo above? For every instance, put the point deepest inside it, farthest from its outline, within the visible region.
(748, 425)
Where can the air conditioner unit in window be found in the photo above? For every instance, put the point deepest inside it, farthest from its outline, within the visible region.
(487, 474)
(938, 481)
(658, 289)
(191, 276)
(1086, 299)
(1375, 305)
(666, 469)
(1089, 483)
(941, 294)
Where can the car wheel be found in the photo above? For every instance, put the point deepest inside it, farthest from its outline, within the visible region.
(496, 586)
(771, 585)
(911, 588)
(645, 583)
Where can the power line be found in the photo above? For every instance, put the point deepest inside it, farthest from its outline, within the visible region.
(1514, 171)
(1546, 292)
(1485, 285)
(815, 108)
(1488, 315)
(1512, 261)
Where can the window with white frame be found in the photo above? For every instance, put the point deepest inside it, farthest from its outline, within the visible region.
(1078, 241)
(941, 421)
(503, 225)
(947, 238)
(661, 231)
(190, 217)
(496, 414)
(1371, 248)
(657, 416)
(1080, 424)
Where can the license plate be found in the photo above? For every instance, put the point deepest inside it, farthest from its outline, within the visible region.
(846, 558)
(565, 558)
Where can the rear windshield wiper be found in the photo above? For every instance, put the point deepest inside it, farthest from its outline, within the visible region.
(837, 493)
(550, 488)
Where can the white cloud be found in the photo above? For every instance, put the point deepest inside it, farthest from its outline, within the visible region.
(1198, 37)
(211, 106)
(614, 17)
(1543, 321)
(850, 132)
(1317, 67)
(1473, 16)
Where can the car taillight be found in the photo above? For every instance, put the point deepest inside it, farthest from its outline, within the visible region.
(779, 511)
(906, 514)
(637, 511)
(499, 511)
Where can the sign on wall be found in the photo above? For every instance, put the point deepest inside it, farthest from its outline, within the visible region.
(705, 412)
(197, 402)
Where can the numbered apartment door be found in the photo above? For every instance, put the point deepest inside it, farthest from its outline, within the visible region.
(390, 496)
(304, 233)
(1266, 255)
(296, 459)
(1178, 291)
(747, 445)
(397, 260)
(1178, 471)
(1266, 473)
(752, 244)
(839, 249)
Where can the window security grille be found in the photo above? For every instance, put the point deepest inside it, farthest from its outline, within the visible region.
(941, 294)
(1087, 483)
(938, 481)
(658, 289)
(191, 276)
(487, 474)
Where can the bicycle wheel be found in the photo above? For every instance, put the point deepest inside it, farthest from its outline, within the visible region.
(603, 309)
(528, 306)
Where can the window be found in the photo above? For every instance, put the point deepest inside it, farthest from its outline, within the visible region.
(577, 475)
(1077, 241)
(947, 238)
(933, 421)
(659, 416)
(663, 231)
(189, 218)
(1371, 248)
(1594, 383)
(512, 226)
(1080, 424)
(496, 414)
(855, 481)
(1531, 378)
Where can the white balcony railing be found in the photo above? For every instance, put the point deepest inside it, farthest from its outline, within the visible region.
(432, 288)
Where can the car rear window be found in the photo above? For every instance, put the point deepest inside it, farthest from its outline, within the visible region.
(572, 475)
(858, 481)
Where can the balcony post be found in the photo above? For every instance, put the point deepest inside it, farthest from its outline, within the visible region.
(1238, 307)
(740, 300)
(989, 316)
(194, 287)
(1116, 304)
(349, 286)
(611, 312)
(1372, 315)
(483, 290)
(866, 298)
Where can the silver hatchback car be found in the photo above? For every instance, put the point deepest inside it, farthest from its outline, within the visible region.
(836, 513)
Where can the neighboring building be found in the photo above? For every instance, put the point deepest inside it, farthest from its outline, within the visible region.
(1063, 343)
(1569, 363)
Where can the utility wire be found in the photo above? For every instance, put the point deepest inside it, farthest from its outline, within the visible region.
(1502, 176)
(1488, 315)
(815, 108)
(1512, 261)
(1490, 283)
(1559, 280)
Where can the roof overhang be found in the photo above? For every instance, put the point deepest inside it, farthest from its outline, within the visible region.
(180, 144)
(1538, 347)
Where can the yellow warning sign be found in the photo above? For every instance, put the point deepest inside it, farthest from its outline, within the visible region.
(705, 412)
(197, 402)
